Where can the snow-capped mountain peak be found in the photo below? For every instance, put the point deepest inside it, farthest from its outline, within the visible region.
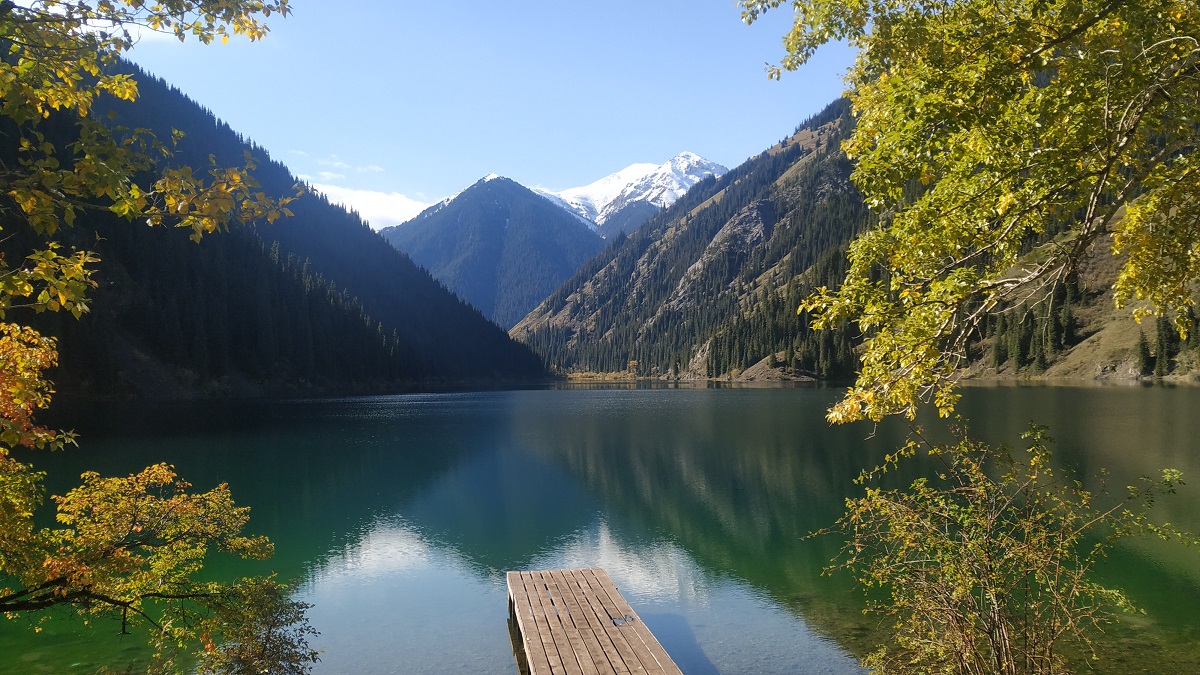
(668, 182)
(587, 201)
(656, 185)
(624, 199)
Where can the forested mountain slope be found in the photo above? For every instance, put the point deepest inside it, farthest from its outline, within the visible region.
(316, 302)
(499, 245)
(1077, 332)
(709, 287)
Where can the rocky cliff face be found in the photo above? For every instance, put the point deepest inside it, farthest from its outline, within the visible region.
(733, 242)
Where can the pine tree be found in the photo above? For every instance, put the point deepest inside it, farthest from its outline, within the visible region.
(1145, 360)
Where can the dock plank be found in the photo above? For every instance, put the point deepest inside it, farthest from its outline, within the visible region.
(615, 645)
(576, 622)
(543, 630)
(624, 624)
(549, 627)
(621, 656)
(520, 604)
(648, 642)
(577, 632)
(543, 580)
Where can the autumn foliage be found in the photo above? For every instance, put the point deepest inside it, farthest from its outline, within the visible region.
(128, 547)
(986, 566)
(1000, 144)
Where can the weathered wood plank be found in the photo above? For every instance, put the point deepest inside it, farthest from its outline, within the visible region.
(518, 612)
(531, 637)
(615, 647)
(615, 624)
(586, 641)
(649, 643)
(578, 635)
(571, 647)
(576, 622)
(637, 656)
(546, 620)
(540, 627)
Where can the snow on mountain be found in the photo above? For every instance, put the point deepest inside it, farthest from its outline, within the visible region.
(626, 198)
(590, 199)
(656, 184)
(668, 182)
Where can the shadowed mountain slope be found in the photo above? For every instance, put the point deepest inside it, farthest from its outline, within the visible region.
(313, 303)
(500, 246)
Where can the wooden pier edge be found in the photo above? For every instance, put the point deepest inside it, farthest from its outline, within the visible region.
(576, 621)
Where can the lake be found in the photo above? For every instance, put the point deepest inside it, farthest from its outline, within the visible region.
(398, 516)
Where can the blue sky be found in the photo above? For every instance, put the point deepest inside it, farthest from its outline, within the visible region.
(393, 105)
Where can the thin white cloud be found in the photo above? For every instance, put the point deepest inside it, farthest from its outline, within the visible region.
(380, 209)
(333, 161)
(335, 166)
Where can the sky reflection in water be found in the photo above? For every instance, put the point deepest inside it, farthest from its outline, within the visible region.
(398, 516)
(430, 611)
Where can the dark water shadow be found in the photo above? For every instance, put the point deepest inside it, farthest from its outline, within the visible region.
(677, 637)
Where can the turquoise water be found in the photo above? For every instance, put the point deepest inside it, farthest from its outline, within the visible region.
(398, 516)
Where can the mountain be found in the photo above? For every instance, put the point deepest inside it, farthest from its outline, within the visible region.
(709, 286)
(313, 303)
(498, 245)
(504, 248)
(622, 201)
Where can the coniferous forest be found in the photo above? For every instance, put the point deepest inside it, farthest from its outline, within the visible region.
(316, 302)
(710, 286)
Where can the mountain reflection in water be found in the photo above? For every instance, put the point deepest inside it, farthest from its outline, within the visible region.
(398, 516)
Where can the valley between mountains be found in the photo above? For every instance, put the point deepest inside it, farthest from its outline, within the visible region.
(684, 270)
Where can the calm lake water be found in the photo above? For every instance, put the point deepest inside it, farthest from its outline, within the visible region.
(398, 516)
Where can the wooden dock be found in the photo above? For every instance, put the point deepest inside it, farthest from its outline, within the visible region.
(575, 621)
